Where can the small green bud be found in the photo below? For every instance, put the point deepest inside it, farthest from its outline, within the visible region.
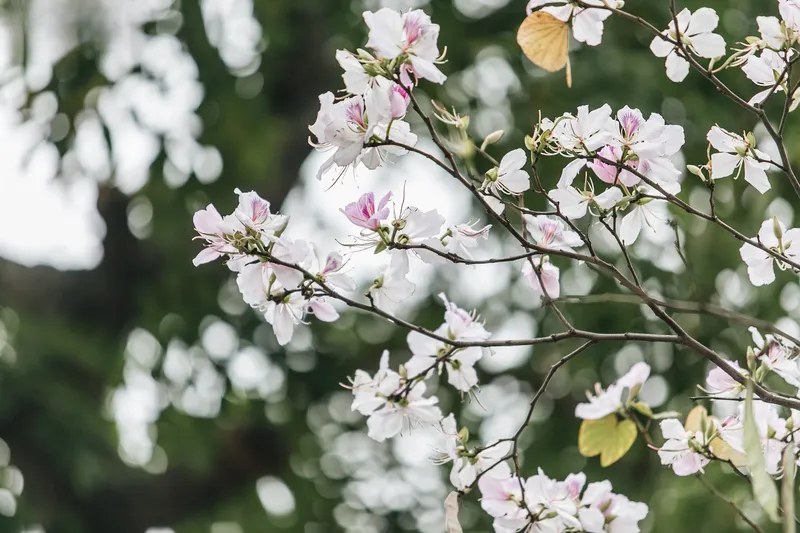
(463, 435)
(529, 143)
(491, 174)
(693, 169)
(776, 228)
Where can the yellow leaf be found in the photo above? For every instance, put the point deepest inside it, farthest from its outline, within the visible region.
(608, 437)
(696, 420)
(544, 40)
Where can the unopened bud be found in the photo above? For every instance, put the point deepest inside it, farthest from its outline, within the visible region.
(363, 54)
(529, 143)
(693, 169)
(492, 138)
(776, 228)
(751, 359)
(463, 435)
(491, 174)
(751, 139)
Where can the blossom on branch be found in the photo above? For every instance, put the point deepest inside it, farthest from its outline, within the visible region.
(736, 153)
(409, 36)
(774, 236)
(605, 402)
(695, 33)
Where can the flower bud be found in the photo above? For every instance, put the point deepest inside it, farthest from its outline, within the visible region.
(529, 143)
(491, 174)
(695, 170)
(776, 228)
(363, 54)
(751, 359)
(463, 434)
(492, 138)
(751, 139)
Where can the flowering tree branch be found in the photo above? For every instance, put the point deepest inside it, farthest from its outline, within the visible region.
(621, 176)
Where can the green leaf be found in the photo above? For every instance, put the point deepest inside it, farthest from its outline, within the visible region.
(608, 437)
(763, 486)
(787, 490)
(643, 408)
(666, 414)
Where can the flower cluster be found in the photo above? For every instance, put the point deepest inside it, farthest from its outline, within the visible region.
(626, 152)
(367, 127)
(394, 400)
(622, 170)
(540, 503)
(282, 288)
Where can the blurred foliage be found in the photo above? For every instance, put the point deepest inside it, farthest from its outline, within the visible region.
(66, 336)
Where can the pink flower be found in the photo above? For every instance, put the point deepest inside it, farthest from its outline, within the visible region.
(399, 100)
(363, 213)
(611, 173)
(212, 228)
(549, 277)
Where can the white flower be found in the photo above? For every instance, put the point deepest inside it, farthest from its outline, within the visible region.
(777, 357)
(790, 13)
(549, 278)
(584, 133)
(509, 178)
(587, 23)
(606, 402)
(552, 233)
(411, 35)
(398, 414)
(640, 215)
(652, 141)
(501, 493)
(218, 233)
(721, 384)
(347, 125)
(772, 33)
(461, 326)
(467, 464)
(415, 227)
(370, 393)
(262, 289)
(696, 34)
(603, 511)
(461, 239)
(356, 79)
(736, 152)
(392, 287)
(553, 501)
(253, 211)
(771, 428)
(573, 203)
(765, 70)
(759, 263)
(678, 453)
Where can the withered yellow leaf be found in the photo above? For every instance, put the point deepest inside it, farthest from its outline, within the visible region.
(607, 437)
(544, 40)
(696, 419)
